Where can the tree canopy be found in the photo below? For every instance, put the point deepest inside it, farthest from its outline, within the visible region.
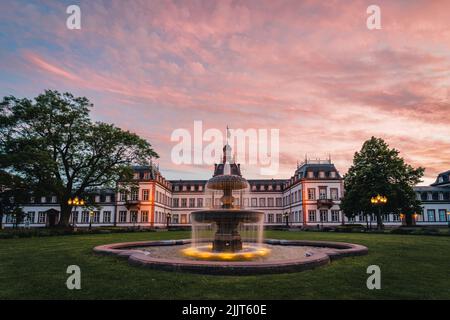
(52, 144)
(378, 169)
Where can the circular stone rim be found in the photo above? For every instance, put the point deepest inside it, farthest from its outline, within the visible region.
(337, 250)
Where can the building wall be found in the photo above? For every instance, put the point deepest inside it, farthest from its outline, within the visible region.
(154, 200)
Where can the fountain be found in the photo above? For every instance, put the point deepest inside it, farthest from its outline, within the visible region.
(227, 238)
(227, 220)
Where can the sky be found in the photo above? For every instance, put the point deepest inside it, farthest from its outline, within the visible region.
(311, 69)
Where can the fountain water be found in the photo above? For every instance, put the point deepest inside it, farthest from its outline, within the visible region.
(227, 231)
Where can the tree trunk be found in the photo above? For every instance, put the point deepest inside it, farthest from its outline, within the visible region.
(66, 210)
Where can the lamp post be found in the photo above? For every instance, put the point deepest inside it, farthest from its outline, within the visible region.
(286, 217)
(75, 202)
(379, 201)
(91, 215)
(448, 218)
(168, 219)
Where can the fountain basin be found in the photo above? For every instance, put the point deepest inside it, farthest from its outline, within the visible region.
(166, 255)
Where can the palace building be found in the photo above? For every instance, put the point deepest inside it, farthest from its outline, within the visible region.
(310, 198)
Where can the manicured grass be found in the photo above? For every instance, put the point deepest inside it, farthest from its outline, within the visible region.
(411, 267)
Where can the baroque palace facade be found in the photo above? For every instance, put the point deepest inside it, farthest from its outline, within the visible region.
(310, 198)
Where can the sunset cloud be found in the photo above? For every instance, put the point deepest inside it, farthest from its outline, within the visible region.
(311, 69)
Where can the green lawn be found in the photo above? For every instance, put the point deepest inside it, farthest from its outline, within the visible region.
(412, 267)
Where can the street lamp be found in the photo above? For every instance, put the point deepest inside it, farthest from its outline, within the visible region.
(75, 202)
(378, 201)
(91, 215)
(286, 217)
(448, 218)
(168, 219)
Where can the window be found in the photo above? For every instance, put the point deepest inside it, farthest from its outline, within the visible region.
(351, 219)
(134, 194)
(191, 202)
(278, 202)
(200, 202)
(334, 194)
(176, 188)
(123, 196)
(192, 188)
(176, 202)
(270, 218)
(254, 202)
(361, 218)
(270, 202)
(106, 216)
(41, 217)
(96, 217)
(311, 194)
(30, 217)
(145, 194)
(431, 215)
(312, 215)
(133, 216)
(321, 174)
(333, 174)
(262, 202)
(85, 217)
(310, 174)
(279, 218)
(386, 217)
(122, 216)
(324, 215)
(10, 218)
(174, 219)
(144, 216)
(322, 192)
(200, 188)
(395, 217)
(442, 215)
(97, 199)
(335, 215)
(184, 203)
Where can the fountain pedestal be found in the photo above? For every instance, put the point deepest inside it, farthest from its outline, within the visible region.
(227, 237)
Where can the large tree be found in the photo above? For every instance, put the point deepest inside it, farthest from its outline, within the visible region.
(378, 169)
(52, 143)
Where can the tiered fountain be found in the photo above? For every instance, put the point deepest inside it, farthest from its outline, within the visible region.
(227, 220)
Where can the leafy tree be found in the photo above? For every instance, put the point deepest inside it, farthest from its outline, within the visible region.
(51, 143)
(12, 193)
(378, 169)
